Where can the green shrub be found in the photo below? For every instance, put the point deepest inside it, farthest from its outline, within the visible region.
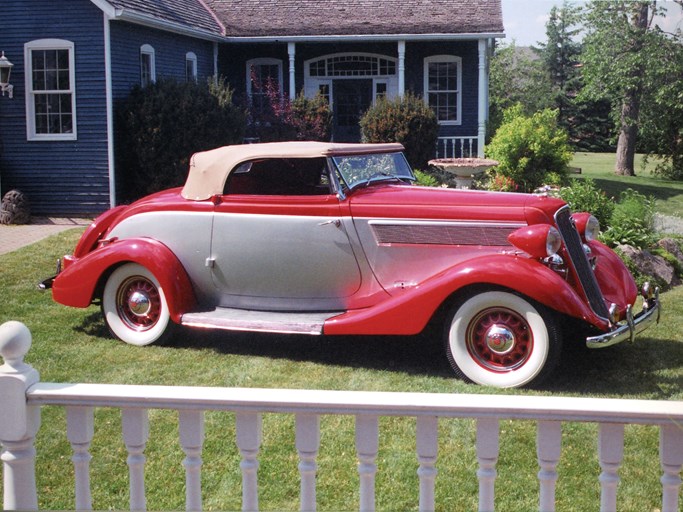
(426, 180)
(312, 118)
(632, 221)
(407, 120)
(583, 195)
(159, 127)
(529, 148)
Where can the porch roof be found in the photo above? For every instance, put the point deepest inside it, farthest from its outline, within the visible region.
(287, 18)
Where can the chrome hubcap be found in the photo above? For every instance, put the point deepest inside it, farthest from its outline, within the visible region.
(500, 339)
(139, 303)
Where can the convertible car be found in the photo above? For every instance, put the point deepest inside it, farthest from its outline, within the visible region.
(334, 239)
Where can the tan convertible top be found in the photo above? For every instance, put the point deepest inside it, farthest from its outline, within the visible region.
(209, 170)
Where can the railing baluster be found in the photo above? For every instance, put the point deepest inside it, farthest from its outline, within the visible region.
(367, 445)
(308, 444)
(79, 431)
(671, 457)
(135, 435)
(548, 449)
(249, 425)
(487, 456)
(610, 454)
(191, 430)
(427, 438)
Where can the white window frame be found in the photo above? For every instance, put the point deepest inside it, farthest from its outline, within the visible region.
(264, 61)
(147, 50)
(48, 44)
(458, 91)
(191, 58)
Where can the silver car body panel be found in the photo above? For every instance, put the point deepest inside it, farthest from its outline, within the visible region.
(284, 262)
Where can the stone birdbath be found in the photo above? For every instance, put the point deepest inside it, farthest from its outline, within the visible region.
(464, 169)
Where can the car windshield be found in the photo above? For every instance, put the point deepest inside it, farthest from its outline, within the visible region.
(364, 169)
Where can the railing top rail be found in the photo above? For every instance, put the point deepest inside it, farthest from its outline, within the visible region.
(358, 402)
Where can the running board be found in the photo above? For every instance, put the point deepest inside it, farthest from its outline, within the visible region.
(260, 321)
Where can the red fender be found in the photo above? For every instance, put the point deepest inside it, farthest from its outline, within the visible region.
(410, 311)
(77, 284)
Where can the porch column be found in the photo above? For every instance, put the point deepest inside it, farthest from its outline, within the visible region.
(401, 68)
(291, 50)
(483, 96)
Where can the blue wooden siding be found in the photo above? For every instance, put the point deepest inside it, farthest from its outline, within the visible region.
(169, 55)
(59, 177)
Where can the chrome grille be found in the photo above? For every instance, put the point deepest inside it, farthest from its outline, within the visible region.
(442, 234)
(572, 242)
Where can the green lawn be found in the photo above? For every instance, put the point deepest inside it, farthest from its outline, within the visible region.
(600, 167)
(71, 345)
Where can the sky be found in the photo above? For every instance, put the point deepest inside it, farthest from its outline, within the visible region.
(525, 20)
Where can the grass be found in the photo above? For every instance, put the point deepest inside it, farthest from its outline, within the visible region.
(71, 345)
(600, 167)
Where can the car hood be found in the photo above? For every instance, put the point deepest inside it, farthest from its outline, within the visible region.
(397, 201)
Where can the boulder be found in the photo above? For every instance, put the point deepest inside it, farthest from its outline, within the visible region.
(652, 265)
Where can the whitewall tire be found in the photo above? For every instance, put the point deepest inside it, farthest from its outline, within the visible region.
(135, 307)
(499, 339)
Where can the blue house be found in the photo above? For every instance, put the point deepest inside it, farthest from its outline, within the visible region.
(73, 59)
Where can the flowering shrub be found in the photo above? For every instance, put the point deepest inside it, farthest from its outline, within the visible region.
(501, 183)
(277, 118)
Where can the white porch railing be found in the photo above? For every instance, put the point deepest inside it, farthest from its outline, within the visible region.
(22, 395)
(456, 147)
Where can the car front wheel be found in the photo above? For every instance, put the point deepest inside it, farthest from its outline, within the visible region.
(135, 307)
(499, 339)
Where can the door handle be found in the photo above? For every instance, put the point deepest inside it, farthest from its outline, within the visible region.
(336, 222)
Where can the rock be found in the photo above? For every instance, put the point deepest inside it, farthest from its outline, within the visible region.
(15, 208)
(671, 246)
(652, 265)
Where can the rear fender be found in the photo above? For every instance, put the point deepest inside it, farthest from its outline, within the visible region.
(94, 232)
(78, 284)
(409, 311)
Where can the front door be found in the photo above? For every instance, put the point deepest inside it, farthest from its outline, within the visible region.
(351, 99)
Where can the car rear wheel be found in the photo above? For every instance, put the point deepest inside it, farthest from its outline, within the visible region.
(135, 307)
(499, 339)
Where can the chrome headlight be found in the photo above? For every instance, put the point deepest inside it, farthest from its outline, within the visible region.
(539, 240)
(592, 229)
(587, 226)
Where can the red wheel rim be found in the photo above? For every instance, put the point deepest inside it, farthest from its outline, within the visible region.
(138, 303)
(499, 340)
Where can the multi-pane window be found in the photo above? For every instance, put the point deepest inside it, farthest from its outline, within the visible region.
(190, 67)
(50, 88)
(443, 87)
(147, 65)
(352, 65)
(264, 76)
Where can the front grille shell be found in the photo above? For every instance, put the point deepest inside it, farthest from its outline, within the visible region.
(579, 261)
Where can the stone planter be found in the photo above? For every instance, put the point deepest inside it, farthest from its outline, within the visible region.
(464, 169)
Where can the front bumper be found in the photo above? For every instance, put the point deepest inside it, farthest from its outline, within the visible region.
(633, 325)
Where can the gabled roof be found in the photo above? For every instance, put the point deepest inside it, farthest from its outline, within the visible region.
(293, 19)
(183, 16)
(286, 18)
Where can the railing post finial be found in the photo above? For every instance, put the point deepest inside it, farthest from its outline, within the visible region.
(15, 342)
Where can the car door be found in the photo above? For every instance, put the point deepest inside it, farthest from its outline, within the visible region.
(280, 244)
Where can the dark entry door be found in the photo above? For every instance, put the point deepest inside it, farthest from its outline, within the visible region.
(351, 99)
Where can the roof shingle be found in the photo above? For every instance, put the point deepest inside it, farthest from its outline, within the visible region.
(269, 18)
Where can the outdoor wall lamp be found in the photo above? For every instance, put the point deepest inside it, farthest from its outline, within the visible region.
(5, 70)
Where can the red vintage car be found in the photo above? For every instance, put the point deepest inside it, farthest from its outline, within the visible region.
(334, 239)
